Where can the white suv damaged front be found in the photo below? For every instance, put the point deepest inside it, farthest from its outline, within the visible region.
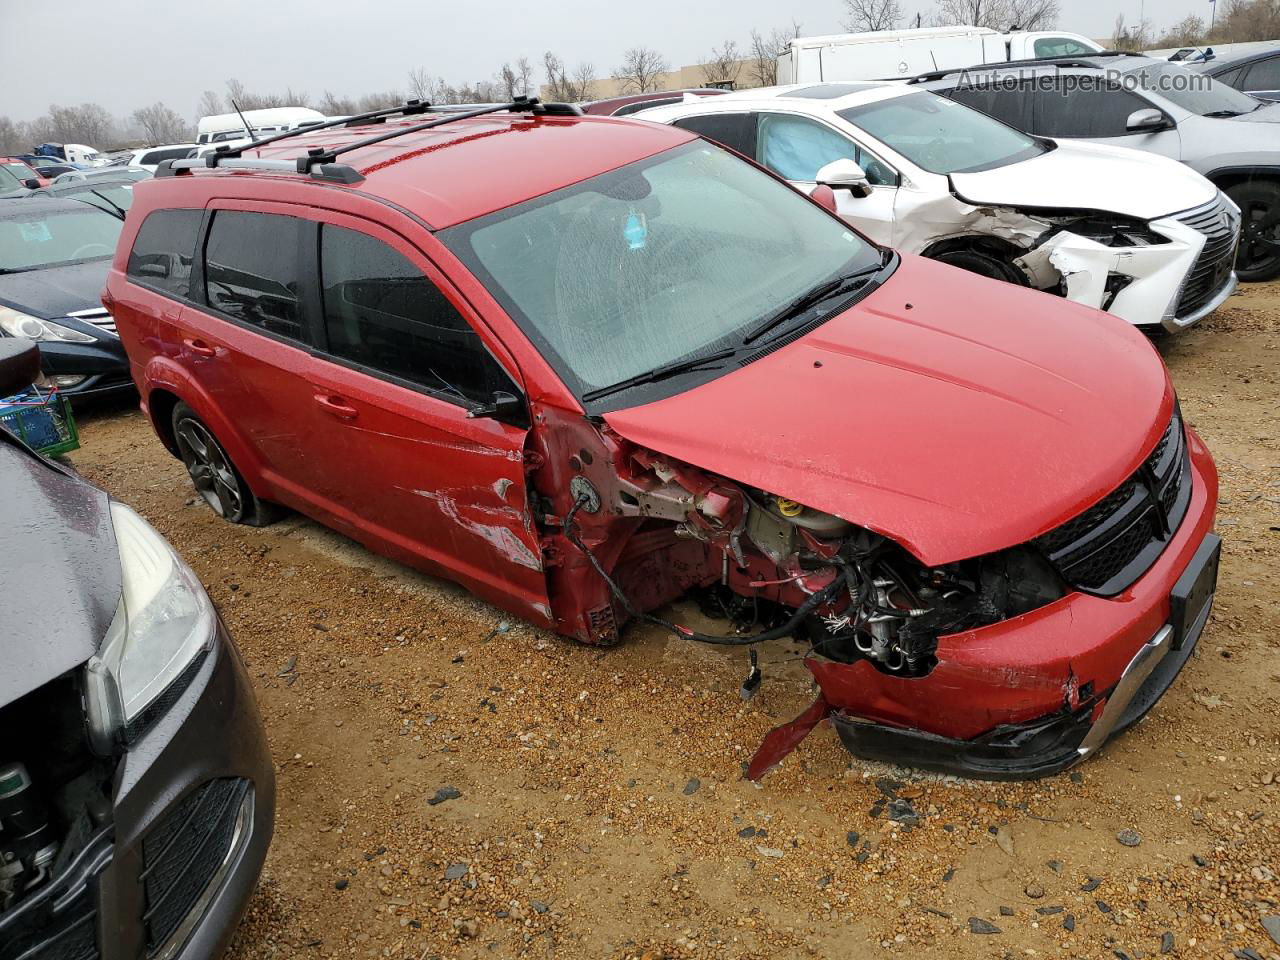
(1140, 236)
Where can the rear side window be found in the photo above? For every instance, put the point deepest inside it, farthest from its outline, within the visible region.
(382, 312)
(164, 250)
(1080, 108)
(1061, 47)
(737, 131)
(251, 270)
(156, 156)
(1264, 76)
(1007, 102)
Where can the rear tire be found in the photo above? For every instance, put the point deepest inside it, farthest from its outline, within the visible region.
(983, 264)
(1259, 203)
(213, 474)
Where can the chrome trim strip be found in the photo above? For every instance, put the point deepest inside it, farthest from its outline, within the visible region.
(239, 840)
(1135, 674)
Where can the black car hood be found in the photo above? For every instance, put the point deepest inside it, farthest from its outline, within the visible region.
(55, 291)
(59, 571)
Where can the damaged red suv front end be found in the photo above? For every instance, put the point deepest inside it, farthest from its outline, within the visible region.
(993, 496)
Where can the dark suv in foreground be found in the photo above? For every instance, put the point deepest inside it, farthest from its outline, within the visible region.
(588, 366)
(136, 787)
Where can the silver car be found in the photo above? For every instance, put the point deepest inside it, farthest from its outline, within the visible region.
(1148, 104)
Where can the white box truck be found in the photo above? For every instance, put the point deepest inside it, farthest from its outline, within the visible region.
(898, 54)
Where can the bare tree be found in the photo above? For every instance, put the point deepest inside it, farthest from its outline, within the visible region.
(999, 14)
(161, 124)
(510, 82)
(641, 71)
(1189, 32)
(210, 105)
(1137, 37)
(583, 83)
(524, 75)
(421, 85)
(1032, 14)
(558, 83)
(763, 65)
(12, 137)
(1244, 20)
(724, 65)
(869, 15)
(335, 106)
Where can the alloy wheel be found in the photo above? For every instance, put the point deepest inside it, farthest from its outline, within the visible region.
(1259, 236)
(210, 470)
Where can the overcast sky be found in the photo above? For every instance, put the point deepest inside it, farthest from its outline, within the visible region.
(128, 55)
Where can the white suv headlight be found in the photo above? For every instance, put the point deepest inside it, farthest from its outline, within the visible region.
(165, 623)
(17, 324)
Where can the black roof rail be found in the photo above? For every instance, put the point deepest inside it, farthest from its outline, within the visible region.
(320, 163)
(1085, 61)
(318, 156)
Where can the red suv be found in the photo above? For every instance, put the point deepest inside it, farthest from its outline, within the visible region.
(588, 366)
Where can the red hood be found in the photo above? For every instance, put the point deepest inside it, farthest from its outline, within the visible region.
(954, 414)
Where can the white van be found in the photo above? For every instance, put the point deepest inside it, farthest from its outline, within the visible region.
(898, 54)
(229, 126)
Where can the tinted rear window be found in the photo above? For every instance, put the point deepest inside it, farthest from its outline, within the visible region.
(252, 270)
(737, 131)
(164, 250)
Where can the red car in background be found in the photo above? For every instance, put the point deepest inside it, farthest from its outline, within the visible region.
(24, 172)
(647, 368)
(635, 102)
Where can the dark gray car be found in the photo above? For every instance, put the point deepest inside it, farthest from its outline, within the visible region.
(1252, 68)
(1153, 105)
(136, 788)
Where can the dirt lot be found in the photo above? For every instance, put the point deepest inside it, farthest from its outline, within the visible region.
(602, 811)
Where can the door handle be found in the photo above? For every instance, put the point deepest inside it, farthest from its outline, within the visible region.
(336, 406)
(199, 348)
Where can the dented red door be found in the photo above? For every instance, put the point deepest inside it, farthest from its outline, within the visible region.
(422, 480)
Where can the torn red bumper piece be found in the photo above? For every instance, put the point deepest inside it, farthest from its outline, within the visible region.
(781, 740)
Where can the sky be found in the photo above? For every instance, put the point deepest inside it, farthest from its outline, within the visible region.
(124, 56)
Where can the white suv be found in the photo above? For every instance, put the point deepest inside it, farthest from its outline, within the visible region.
(1143, 237)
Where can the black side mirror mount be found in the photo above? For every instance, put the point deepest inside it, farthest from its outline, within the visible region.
(504, 407)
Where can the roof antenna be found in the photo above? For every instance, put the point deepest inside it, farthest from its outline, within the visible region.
(248, 130)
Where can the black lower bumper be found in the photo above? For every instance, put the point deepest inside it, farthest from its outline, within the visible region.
(1027, 751)
(193, 804)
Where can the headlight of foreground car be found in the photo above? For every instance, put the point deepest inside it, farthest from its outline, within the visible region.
(163, 628)
(17, 324)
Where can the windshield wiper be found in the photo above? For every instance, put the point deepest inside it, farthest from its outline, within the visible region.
(1221, 114)
(663, 372)
(806, 301)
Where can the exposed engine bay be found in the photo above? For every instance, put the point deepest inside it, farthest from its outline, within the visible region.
(780, 568)
(53, 791)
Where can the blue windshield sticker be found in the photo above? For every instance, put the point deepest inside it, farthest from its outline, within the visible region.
(636, 231)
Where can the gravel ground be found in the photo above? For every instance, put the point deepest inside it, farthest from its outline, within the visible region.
(590, 803)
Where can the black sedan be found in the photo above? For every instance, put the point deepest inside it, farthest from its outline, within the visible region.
(54, 257)
(136, 788)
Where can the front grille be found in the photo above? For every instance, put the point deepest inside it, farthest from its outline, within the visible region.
(182, 854)
(73, 936)
(99, 318)
(1212, 269)
(1107, 547)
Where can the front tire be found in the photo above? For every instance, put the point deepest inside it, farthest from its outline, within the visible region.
(983, 264)
(1259, 256)
(213, 474)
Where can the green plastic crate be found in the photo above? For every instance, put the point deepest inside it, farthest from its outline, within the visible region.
(43, 421)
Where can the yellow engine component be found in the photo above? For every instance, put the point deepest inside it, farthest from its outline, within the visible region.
(788, 508)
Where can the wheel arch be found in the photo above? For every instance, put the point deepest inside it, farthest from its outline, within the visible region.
(1226, 177)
